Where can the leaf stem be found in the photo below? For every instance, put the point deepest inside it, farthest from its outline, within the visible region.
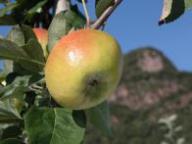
(101, 20)
(86, 13)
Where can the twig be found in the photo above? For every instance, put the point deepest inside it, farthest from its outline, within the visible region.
(86, 13)
(35, 90)
(99, 22)
(62, 5)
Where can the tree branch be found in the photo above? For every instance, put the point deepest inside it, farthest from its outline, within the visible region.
(101, 20)
(62, 5)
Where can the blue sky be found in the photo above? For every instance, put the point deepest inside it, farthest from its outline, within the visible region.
(134, 24)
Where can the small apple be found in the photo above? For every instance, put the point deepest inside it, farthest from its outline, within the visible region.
(42, 37)
(83, 68)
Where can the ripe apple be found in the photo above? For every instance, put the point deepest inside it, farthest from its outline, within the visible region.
(83, 68)
(42, 37)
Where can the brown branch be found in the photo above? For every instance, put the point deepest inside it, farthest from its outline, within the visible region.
(101, 20)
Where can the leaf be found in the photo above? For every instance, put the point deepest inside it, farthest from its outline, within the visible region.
(102, 5)
(8, 67)
(9, 7)
(61, 24)
(26, 5)
(12, 131)
(172, 9)
(8, 114)
(9, 50)
(188, 4)
(99, 116)
(34, 51)
(16, 89)
(16, 36)
(28, 33)
(10, 141)
(20, 11)
(79, 117)
(7, 20)
(52, 126)
(39, 5)
(3, 1)
(10, 95)
(32, 47)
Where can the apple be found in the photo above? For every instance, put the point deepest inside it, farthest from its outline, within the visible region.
(42, 37)
(83, 68)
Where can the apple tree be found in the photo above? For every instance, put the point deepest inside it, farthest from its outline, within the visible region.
(28, 113)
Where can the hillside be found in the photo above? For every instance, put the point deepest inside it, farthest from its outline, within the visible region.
(152, 104)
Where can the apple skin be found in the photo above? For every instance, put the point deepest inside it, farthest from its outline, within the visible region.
(83, 68)
(42, 37)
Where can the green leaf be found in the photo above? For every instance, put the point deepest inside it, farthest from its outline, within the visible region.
(34, 51)
(52, 126)
(7, 20)
(12, 98)
(62, 23)
(3, 1)
(16, 89)
(20, 11)
(32, 47)
(8, 67)
(12, 131)
(102, 5)
(9, 7)
(188, 4)
(80, 117)
(9, 50)
(16, 36)
(8, 113)
(10, 141)
(26, 5)
(99, 116)
(173, 9)
(38, 6)
(28, 33)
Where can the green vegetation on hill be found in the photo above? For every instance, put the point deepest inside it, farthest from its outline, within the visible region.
(165, 119)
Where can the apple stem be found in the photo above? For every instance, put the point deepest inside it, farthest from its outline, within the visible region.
(105, 15)
(86, 13)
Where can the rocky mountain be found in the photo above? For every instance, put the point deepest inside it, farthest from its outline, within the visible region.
(152, 104)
